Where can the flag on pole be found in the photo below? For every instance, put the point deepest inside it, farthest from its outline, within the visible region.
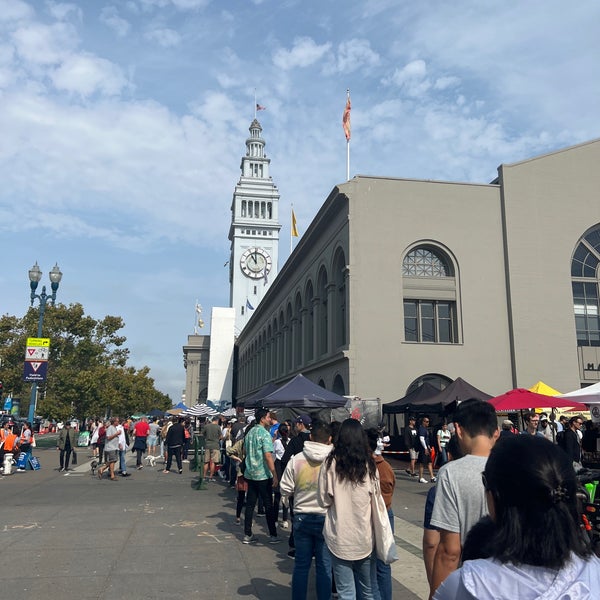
(260, 107)
(294, 227)
(248, 305)
(346, 118)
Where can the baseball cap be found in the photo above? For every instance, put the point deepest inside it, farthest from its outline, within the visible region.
(543, 418)
(234, 420)
(304, 419)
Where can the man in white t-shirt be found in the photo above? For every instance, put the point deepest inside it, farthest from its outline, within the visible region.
(460, 496)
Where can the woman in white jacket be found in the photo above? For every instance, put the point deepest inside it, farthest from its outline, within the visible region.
(536, 546)
(345, 488)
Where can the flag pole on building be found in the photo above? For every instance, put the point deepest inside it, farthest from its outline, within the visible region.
(347, 130)
(293, 229)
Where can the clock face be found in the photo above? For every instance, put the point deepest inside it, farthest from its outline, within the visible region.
(255, 263)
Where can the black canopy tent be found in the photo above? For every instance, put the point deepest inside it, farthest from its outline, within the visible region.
(257, 398)
(440, 402)
(300, 395)
(417, 401)
(416, 398)
(460, 390)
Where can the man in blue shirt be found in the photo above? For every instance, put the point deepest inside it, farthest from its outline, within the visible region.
(260, 474)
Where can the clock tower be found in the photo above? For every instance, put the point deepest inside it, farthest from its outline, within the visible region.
(254, 231)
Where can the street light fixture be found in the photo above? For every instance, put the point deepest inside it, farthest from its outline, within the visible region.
(35, 275)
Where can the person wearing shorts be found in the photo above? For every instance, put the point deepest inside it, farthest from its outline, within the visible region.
(212, 452)
(410, 441)
(111, 449)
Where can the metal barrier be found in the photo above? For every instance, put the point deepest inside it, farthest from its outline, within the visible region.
(197, 463)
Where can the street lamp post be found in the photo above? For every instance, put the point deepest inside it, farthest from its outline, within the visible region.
(35, 274)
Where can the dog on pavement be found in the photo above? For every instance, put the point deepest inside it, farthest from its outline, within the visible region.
(152, 460)
(94, 466)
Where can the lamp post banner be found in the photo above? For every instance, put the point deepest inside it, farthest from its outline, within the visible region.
(35, 370)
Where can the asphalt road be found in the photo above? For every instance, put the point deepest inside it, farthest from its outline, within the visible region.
(153, 535)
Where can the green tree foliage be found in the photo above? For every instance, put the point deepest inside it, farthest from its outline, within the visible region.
(87, 370)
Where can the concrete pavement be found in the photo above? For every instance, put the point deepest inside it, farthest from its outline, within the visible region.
(152, 535)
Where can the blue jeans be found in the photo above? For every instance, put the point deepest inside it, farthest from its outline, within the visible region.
(381, 574)
(122, 458)
(308, 533)
(352, 578)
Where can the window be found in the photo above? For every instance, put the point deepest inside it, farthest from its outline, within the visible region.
(430, 296)
(429, 321)
(585, 277)
(423, 262)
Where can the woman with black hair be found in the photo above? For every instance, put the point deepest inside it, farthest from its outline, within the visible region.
(536, 546)
(346, 482)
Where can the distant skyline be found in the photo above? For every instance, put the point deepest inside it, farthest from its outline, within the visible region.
(123, 125)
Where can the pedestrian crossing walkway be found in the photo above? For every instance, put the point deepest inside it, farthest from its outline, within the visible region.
(409, 570)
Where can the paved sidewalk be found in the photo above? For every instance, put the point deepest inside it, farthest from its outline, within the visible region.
(150, 535)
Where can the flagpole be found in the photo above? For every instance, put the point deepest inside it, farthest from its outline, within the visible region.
(348, 146)
(291, 228)
(254, 103)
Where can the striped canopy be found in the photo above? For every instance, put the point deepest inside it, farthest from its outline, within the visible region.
(200, 410)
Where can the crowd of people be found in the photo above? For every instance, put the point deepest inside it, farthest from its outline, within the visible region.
(499, 493)
(14, 440)
(501, 521)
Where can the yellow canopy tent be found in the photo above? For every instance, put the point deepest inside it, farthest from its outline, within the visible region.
(541, 388)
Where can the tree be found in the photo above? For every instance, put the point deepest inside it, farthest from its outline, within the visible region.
(87, 368)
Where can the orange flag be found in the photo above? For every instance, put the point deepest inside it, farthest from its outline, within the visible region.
(346, 119)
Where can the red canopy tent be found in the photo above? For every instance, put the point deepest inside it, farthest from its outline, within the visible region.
(521, 399)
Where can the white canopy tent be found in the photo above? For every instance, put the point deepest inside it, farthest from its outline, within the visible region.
(587, 395)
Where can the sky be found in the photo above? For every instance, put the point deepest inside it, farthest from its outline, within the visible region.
(123, 124)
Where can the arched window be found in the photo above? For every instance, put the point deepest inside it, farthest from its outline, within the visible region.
(430, 296)
(585, 278)
(338, 386)
(323, 324)
(297, 331)
(441, 382)
(288, 339)
(339, 315)
(310, 323)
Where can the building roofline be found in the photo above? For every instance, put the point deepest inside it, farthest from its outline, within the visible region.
(551, 153)
(415, 180)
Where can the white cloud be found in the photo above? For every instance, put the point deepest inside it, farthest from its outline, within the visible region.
(164, 37)
(86, 75)
(412, 78)
(45, 44)
(352, 55)
(443, 83)
(15, 10)
(61, 10)
(111, 18)
(179, 4)
(304, 52)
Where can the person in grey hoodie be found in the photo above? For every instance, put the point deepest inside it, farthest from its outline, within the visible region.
(300, 479)
(535, 545)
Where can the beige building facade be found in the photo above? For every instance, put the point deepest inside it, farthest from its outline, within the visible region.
(399, 281)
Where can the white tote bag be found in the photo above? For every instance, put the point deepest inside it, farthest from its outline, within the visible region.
(385, 545)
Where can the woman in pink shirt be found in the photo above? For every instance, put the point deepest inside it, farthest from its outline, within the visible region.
(345, 487)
